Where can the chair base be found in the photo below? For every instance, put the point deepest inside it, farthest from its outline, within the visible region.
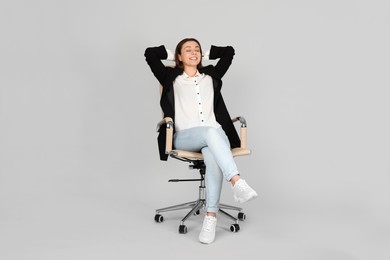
(195, 209)
(199, 205)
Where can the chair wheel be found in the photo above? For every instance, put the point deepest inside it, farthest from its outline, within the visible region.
(234, 228)
(241, 216)
(183, 229)
(158, 218)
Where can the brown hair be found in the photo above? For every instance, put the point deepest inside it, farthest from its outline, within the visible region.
(179, 46)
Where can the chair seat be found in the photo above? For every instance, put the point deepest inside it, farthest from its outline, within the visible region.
(199, 156)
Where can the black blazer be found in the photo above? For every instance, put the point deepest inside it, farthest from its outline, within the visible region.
(166, 75)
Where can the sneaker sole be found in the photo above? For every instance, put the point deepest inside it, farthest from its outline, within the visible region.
(253, 196)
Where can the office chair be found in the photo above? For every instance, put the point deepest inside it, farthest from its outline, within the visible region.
(196, 162)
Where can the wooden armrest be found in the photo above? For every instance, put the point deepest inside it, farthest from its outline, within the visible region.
(243, 133)
(169, 133)
(165, 121)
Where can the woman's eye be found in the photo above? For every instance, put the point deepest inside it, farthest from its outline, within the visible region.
(188, 50)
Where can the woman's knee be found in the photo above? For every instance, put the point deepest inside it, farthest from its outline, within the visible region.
(217, 139)
(213, 135)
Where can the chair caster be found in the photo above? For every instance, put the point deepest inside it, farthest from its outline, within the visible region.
(241, 216)
(234, 228)
(158, 218)
(183, 229)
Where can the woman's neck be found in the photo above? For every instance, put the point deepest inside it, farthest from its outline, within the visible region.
(190, 71)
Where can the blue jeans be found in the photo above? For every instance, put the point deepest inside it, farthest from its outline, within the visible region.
(215, 147)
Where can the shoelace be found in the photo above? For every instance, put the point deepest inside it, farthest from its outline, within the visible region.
(241, 186)
(208, 224)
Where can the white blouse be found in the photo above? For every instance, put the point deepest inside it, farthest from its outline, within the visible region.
(194, 101)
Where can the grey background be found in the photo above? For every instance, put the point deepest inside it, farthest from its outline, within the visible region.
(80, 176)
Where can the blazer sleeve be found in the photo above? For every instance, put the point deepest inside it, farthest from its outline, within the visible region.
(154, 57)
(225, 56)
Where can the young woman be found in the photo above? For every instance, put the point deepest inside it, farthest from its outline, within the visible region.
(191, 97)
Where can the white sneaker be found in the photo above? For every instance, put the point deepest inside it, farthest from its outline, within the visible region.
(207, 234)
(242, 192)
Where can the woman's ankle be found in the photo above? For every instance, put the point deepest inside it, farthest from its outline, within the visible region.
(212, 214)
(234, 179)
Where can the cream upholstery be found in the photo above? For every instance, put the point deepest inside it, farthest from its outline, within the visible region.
(241, 151)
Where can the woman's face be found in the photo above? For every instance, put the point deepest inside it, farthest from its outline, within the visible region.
(190, 54)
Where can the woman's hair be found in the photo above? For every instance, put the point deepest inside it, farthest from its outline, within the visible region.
(179, 46)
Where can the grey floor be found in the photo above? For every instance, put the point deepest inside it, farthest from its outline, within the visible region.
(113, 219)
